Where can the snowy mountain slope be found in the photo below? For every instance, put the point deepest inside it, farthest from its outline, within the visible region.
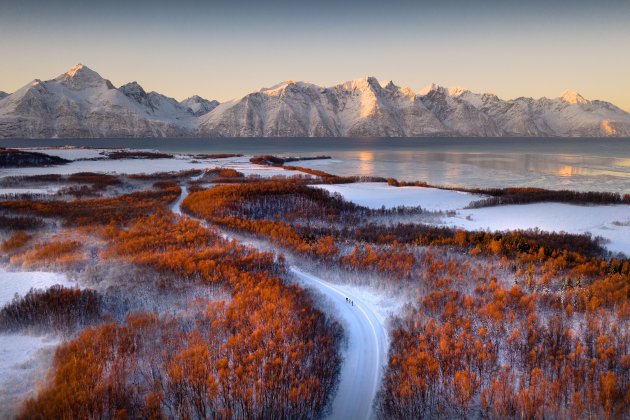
(365, 107)
(285, 110)
(80, 103)
(567, 116)
(198, 105)
(3, 95)
(459, 115)
(360, 107)
(156, 106)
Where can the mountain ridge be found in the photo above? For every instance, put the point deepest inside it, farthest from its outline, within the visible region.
(81, 103)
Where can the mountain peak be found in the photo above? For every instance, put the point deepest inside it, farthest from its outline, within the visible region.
(198, 105)
(365, 82)
(372, 82)
(434, 87)
(83, 72)
(76, 69)
(456, 90)
(388, 84)
(573, 98)
(195, 98)
(82, 77)
(134, 91)
(278, 88)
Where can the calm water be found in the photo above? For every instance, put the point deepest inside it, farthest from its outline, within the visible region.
(579, 164)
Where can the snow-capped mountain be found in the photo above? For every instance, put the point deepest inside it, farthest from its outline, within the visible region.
(157, 106)
(80, 103)
(3, 95)
(198, 105)
(365, 107)
(358, 108)
(570, 115)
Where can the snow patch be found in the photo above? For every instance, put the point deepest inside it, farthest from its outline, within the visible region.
(47, 190)
(24, 360)
(375, 195)
(71, 153)
(19, 283)
(574, 98)
(612, 222)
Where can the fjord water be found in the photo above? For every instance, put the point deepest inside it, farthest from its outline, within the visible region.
(582, 164)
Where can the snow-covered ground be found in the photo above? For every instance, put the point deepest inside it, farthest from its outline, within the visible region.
(120, 166)
(23, 358)
(71, 153)
(19, 283)
(611, 222)
(48, 190)
(378, 194)
(242, 164)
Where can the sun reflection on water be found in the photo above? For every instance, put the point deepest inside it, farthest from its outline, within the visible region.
(366, 159)
(366, 156)
(566, 171)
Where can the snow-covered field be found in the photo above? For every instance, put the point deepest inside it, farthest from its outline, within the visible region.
(24, 360)
(23, 357)
(12, 283)
(612, 222)
(120, 166)
(71, 153)
(378, 194)
(48, 190)
(242, 164)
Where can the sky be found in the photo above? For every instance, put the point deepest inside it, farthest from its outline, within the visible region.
(225, 49)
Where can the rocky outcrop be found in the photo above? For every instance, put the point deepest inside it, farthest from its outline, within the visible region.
(12, 158)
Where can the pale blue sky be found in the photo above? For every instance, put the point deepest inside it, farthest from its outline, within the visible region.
(222, 50)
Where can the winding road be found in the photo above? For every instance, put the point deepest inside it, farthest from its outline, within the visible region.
(365, 356)
(366, 353)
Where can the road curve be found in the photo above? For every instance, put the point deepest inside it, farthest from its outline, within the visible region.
(366, 354)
